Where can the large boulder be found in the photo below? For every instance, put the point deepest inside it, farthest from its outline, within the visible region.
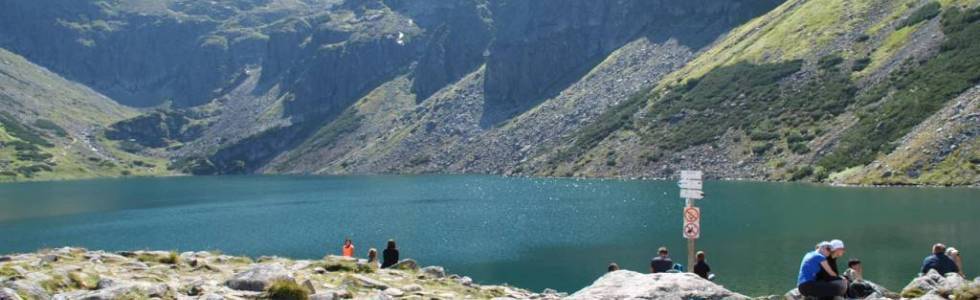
(258, 277)
(935, 284)
(118, 290)
(625, 284)
(405, 264)
(434, 271)
(8, 294)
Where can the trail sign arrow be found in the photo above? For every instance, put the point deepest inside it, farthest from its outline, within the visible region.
(690, 184)
(692, 194)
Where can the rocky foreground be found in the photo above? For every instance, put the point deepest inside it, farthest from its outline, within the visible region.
(79, 274)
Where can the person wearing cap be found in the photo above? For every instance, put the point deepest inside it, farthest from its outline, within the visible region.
(939, 261)
(954, 254)
(812, 263)
(662, 263)
(837, 250)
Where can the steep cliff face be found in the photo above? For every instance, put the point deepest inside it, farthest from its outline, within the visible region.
(143, 53)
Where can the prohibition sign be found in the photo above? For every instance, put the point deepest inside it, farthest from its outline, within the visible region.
(692, 214)
(692, 231)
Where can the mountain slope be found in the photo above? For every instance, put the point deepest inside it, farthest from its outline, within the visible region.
(51, 128)
(814, 90)
(837, 91)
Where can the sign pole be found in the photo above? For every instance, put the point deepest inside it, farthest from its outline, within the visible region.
(691, 186)
(690, 243)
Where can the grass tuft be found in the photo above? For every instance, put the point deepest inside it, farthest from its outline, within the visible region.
(283, 289)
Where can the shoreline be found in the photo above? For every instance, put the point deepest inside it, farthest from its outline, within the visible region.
(76, 273)
(618, 178)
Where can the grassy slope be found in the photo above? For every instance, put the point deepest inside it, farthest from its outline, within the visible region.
(865, 31)
(33, 95)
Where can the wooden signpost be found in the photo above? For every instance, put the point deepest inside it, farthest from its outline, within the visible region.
(691, 185)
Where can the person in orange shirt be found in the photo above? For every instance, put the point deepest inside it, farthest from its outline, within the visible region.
(348, 248)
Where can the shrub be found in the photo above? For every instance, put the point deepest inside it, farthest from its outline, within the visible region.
(913, 293)
(802, 172)
(761, 148)
(860, 64)
(763, 135)
(926, 12)
(84, 281)
(283, 289)
(799, 148)
(171, 259)
(50, 126)
(830, 61)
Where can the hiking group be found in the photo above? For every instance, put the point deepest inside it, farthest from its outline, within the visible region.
(389, 255)
(819, 276)
(663, 264)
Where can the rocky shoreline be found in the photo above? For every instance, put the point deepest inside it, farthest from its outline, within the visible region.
(74, 273)
(80, 274)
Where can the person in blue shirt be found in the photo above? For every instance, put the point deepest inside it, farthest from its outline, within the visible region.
(939, 261)
(812, 263)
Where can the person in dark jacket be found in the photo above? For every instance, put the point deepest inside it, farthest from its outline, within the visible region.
(662, 262)
(939, 261)
(390, 255)
(701, 267)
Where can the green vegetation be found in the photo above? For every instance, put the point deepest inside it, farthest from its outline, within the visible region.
(50, 126)
(913, 293)
(83, 281)
(170, 258)
(346, 123)
(928, 11)
(617, 117)
(909, 96)
(283, 289)
(704, 108)
(24, 133)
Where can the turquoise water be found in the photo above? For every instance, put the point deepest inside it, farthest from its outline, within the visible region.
(532, 233)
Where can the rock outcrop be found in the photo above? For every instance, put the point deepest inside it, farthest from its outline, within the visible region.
(75, 274)
(935, 285)
(625, 284)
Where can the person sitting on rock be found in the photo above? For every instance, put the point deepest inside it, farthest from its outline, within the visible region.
(390, 255)
(373, 258)
(348, 250)
(837, 250)
(939, 261)
(701, 267)
(954, 254)
(858, 289)
(662, 262)
(812, 263)
(613, 267)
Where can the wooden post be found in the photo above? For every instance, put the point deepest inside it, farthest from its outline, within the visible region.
(691, 186)
(690, 243)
